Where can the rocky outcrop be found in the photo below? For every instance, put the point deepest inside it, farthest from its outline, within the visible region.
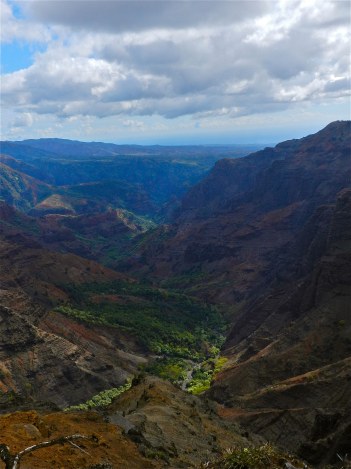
(20, 190)
(182, 429)
(107, 449)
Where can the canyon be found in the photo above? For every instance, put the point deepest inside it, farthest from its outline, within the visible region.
(240, 274)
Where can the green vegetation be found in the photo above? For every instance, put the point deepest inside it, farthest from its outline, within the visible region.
(203, 375)
(201, 381)
(103, 399)
(172, 369)
(184, 333)
(129, 244)
(259, 457)
(220, 362)
(166, 323)
(158, 454)
(83, 315)
(150, 238)
(197, 375)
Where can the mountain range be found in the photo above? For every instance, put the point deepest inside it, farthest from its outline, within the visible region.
(232, 284)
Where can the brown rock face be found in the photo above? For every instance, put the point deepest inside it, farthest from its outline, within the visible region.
(272, 241)
(269, 237)
(182, 429)
(109, 449)
(234, 228)
(289, 354)
(45, 356)
(60, 360)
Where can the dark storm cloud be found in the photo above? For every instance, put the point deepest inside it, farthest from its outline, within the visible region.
(133, 15)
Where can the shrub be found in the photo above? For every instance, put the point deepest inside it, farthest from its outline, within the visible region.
(103, 399)
(257, 457)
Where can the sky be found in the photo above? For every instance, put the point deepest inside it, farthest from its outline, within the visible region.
(173, 72)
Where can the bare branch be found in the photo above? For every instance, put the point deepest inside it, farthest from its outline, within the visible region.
(81, 449)
(6, 456)
(13, 461)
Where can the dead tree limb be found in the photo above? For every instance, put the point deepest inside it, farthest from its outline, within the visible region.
(12, 461)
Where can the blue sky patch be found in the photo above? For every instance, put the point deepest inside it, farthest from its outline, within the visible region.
(18, 55)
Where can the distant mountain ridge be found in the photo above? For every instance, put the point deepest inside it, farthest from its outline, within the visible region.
(238, 178)
(75, 148)
(233, 227)
(164, 173)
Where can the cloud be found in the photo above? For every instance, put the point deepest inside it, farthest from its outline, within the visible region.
(133, 124)
(13, 28)
(136, 15)
(337, 84)
(23, 120)
(182, 58)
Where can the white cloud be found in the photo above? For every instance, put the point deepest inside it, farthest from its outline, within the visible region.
(178, 58)
(133, 124)
(23, 120)
(13, 28)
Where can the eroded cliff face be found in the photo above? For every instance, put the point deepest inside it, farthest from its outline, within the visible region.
(183, 429)
(45, 356)
(280, 174)
(234, 228)
(288, 374)
(59, 360)
(277, 253)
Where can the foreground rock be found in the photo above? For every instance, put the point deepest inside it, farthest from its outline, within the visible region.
(180, 429)
(110, 450)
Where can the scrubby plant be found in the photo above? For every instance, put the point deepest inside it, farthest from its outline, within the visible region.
(256, 457)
